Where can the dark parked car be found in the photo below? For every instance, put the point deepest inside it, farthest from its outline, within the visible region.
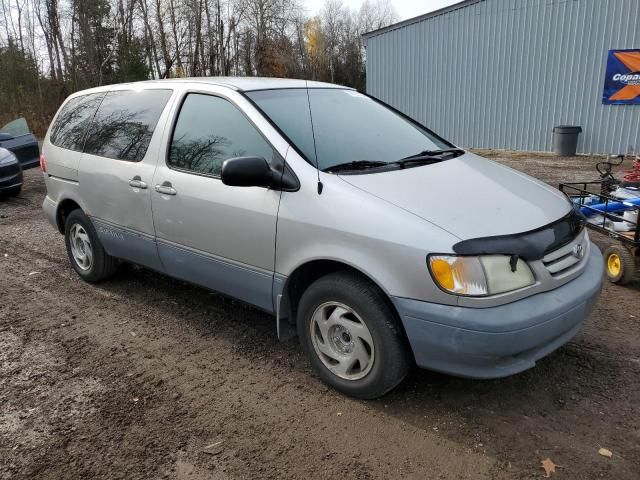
(10, 174)
(17, 137)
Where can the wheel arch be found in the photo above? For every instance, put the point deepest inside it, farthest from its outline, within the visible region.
(310, 271)
(65, 207)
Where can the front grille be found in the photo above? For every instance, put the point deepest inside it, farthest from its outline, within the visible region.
(565, 259)
(8, 170)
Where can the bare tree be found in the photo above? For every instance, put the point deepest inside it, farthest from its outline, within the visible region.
(65, 45)
(375, 14)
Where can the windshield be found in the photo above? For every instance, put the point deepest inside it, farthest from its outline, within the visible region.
(348, 126)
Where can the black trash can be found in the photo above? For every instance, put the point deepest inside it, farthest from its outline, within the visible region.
(565, 140)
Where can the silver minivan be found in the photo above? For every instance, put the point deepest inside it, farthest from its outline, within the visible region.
(377, 242)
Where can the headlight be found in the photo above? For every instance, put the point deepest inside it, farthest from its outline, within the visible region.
(8, 160)
(479, 276)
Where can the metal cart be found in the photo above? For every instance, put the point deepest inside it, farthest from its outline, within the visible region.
(620, 257)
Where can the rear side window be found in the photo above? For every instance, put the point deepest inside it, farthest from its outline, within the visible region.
(124, 124)
(210, 130)
(71, 124)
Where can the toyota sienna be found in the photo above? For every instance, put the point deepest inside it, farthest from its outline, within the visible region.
(378, 242)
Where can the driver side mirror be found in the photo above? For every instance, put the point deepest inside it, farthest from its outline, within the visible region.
(247, 172)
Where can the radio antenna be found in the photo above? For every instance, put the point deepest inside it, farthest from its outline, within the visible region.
(313, 134)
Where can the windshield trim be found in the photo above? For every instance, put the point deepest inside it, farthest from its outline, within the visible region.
(292, 144)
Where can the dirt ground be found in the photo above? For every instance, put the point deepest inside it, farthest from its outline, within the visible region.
(147, 377)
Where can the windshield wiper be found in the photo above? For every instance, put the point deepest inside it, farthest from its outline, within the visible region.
(355, 165)
(423, 158)
(456, 152)
(428, 157)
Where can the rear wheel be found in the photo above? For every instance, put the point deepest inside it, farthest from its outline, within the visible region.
(85, 251)
(351, 336)
(620, 264)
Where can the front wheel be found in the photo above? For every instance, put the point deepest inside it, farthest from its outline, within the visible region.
(350, 335)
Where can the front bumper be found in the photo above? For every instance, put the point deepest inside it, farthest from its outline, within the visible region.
(544, 322)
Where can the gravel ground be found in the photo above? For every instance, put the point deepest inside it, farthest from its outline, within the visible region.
(147, 377)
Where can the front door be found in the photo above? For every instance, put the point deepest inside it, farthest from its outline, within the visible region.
(209, 233)
(116, 171)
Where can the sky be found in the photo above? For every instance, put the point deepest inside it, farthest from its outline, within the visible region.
(406, 8)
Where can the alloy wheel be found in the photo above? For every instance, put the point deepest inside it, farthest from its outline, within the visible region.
(81, 248)
(342, 340)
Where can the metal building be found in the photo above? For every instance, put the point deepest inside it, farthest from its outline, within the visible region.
(502, 73)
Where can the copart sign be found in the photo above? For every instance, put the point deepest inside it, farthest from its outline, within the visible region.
(622, 82)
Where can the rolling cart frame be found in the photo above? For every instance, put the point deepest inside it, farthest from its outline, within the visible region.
(620, 257)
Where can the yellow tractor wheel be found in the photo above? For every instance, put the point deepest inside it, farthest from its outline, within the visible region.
(619, 264)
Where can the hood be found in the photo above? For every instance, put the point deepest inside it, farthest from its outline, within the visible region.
(468, 196)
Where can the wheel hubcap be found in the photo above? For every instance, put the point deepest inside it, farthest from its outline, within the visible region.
(614, 264)
(342, 340)
(81, 249)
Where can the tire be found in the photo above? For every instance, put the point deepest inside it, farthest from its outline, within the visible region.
(13, 191)
(360, 324)
(619, 264)
(83, 243)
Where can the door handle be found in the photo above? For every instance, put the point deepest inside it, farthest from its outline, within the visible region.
(166, 189)
(136, 182)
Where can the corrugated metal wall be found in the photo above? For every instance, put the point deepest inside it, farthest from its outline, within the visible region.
(502, 73)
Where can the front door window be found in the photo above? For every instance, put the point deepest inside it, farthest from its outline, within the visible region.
(211, 130)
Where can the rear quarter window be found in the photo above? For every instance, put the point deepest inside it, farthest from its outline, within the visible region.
(70, 126)
(124, 124)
